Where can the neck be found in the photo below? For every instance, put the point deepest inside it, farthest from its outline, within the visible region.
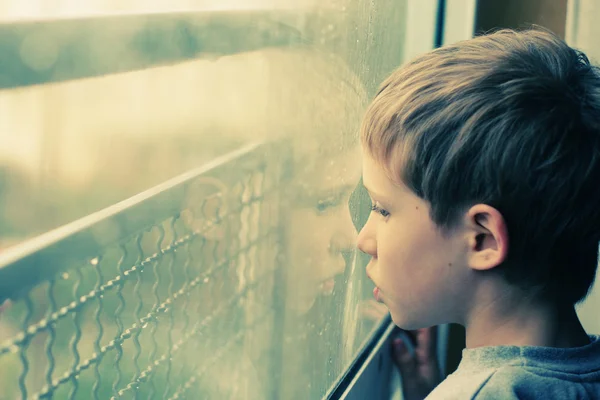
(513, 319)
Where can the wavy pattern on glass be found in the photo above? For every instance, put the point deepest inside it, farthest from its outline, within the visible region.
(147, 315)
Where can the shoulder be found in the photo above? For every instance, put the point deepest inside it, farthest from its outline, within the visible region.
(531, 382)
(514, 382)
(461, 385)
(491, 383)
(509, 382)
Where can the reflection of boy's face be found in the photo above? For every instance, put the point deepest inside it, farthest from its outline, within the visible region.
(320, 228)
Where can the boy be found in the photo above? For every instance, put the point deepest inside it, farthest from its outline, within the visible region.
(482, 160)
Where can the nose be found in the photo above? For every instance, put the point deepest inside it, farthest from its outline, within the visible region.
(366, 240)
(342, 241)
(343, 235)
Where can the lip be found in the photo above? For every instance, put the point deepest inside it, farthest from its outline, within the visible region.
(327, 286)
(376, 291)
(377, 294)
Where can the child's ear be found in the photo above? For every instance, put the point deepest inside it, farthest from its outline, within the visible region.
(487, 236)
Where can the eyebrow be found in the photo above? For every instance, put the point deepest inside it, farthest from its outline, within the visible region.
(343, 190)
(326, 194)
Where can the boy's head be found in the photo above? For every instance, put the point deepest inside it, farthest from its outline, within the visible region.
(498, 139)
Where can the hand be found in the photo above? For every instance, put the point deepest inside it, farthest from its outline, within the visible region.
(419, 369)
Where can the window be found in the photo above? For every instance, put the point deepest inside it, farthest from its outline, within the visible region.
(235, 279)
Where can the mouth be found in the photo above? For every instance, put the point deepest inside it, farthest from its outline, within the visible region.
(326, 287)
(377, 294)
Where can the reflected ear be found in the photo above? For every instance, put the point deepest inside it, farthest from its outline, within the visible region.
(488, 237)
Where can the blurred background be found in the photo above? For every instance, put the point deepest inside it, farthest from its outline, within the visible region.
(101, 100)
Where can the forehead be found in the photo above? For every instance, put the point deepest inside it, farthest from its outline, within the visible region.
(326, 173)
(376, 178)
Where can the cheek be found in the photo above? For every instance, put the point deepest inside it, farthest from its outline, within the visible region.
(407, 252)
(308, 237)
(396, 243)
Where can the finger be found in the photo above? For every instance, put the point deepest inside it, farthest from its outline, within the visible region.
(408, 335)
(426, 349)
(404, 359)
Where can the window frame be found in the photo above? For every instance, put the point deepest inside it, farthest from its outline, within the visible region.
(429, 24)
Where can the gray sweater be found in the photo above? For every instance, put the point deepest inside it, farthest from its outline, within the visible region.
(528, 372)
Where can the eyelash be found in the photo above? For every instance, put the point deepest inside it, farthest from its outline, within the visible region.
(380, 211)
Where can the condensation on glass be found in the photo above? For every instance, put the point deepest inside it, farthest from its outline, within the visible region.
(252, 288)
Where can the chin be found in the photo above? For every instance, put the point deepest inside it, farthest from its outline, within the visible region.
(404, 321)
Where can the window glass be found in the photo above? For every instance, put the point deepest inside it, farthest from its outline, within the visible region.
(71, 147)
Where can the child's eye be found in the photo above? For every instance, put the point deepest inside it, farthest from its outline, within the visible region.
(325, 204)
(379, 210)
(322, 206)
